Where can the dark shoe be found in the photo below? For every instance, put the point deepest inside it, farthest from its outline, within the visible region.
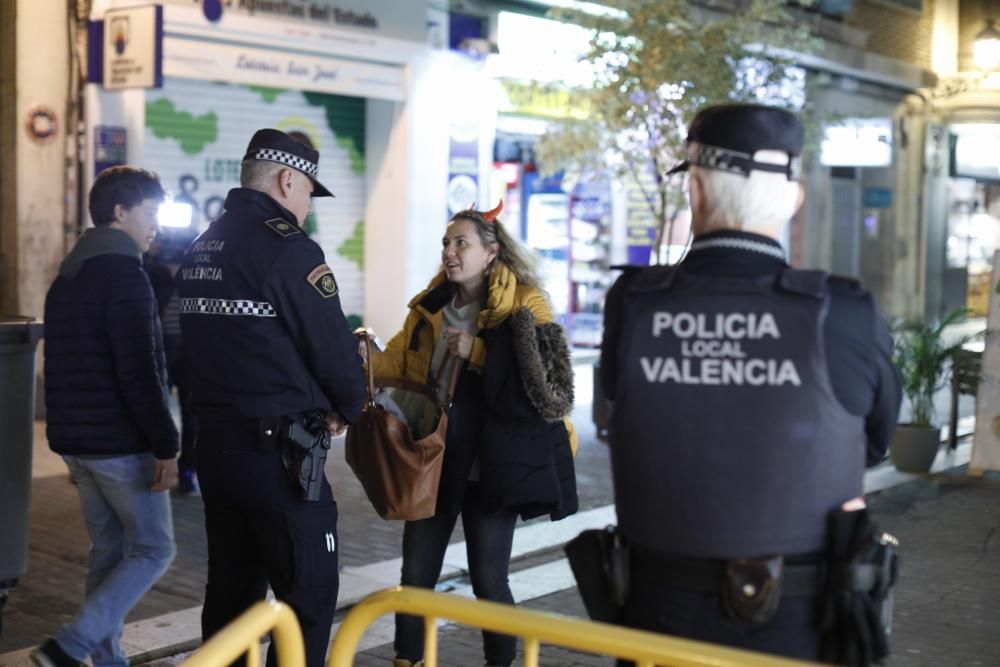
(51, 654)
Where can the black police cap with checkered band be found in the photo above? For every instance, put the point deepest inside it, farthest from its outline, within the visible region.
(728, 135)
(276, 146)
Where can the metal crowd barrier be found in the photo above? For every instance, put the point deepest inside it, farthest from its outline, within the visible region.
(242, 637)
(645, 648)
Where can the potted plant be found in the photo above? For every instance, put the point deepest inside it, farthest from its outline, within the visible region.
(923, 356)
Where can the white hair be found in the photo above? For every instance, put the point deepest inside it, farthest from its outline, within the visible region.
(259, 174)
(761, 202)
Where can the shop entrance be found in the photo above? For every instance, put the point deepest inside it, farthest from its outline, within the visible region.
(973, 216)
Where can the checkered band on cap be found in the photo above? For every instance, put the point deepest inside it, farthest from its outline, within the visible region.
(293, 161)
(228, 307)
(713, 157)
(735, 162)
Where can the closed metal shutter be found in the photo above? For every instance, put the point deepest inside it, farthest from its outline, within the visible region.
(197, 132)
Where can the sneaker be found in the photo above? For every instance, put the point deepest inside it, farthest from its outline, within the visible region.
(403, 662)
(51, 654)
(187, 484)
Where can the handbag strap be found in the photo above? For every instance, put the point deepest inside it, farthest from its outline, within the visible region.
(406, 383)
(366, 337)
(453, 380)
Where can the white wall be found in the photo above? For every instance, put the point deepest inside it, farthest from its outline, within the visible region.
(407, 156)
(944, 38)
(122, 108)
(42, 79)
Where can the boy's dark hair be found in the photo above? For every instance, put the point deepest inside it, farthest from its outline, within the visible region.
(123, 185)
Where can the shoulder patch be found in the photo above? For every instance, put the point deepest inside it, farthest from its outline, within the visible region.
(282, 228)
(322, 279)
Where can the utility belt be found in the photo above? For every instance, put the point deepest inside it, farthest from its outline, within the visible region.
(852, 582)
(799, 575)
(303, 441)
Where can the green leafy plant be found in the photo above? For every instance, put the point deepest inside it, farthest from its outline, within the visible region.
(656, 63)
(923, 355)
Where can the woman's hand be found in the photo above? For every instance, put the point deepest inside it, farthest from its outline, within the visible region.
(459, 342)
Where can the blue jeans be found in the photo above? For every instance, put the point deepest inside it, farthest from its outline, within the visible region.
(132, 544)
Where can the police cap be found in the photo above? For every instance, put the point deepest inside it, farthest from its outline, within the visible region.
(276, 146)
(728, 135)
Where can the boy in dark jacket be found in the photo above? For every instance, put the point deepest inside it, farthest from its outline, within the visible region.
(105, 392)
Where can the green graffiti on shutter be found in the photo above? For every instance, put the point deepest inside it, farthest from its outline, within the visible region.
(267, 94)
(346, 119)
(192, 133)
(353, 247)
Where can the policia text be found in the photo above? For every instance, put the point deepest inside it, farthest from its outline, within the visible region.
(712, 351)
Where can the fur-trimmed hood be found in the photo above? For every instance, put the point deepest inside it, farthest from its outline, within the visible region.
(543, 358)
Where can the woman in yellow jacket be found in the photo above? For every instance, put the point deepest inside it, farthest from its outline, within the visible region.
(486, 276)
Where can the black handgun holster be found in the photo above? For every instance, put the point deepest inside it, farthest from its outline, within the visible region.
(303, 444)
(856, 606)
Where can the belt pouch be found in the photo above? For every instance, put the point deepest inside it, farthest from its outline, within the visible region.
(751, 590)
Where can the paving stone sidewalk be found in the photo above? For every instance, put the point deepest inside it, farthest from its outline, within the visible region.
(51, 592)
(947, 610)
(947, 603)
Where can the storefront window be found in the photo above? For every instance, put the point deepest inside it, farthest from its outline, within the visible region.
(973, 237)
(973, 216)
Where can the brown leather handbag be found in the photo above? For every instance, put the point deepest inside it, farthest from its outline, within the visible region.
(399, 472)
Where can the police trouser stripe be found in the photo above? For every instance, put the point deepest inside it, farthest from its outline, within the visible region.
(242, 307)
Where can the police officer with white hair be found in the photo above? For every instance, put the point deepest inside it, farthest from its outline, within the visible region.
(748, 398)
(274, 371)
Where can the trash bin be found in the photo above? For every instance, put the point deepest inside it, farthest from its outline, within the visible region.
(18, 337)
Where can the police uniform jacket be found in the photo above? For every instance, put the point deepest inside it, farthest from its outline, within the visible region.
(748, 399)
(264, 332)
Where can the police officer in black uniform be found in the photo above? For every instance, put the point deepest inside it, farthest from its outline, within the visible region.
(274, 371)
(748, 399)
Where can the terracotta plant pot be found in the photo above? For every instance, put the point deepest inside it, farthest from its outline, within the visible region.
(913, 448)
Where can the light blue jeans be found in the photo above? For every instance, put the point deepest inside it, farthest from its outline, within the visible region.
(132, 544)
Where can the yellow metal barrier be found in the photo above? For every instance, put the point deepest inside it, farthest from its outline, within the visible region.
(242, 637)
(645, 648)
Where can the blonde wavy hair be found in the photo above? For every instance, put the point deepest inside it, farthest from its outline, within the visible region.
(520, 260)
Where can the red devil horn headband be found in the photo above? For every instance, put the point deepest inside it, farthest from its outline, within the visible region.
(491, 215)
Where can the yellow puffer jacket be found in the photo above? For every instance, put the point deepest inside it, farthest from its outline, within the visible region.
(408, 354)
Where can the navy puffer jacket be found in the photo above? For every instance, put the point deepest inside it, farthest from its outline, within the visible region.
(105, 377)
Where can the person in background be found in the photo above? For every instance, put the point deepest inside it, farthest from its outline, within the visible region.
(107, 412)
(162, 263)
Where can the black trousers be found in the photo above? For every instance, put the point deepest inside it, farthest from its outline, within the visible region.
(260, 533)
(658, 607)
(489, 539)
